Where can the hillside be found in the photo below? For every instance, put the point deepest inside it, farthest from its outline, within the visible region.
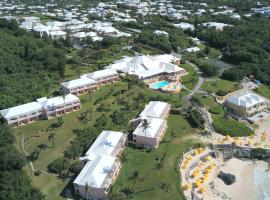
(28, 66)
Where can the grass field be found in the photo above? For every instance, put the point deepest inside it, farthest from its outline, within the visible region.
(222, 123)
(219, 85)
(264, 91)
(38, 132)
(144, 162)
(191, 79)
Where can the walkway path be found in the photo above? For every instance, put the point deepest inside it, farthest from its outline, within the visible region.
(31, 165)
(196, 88)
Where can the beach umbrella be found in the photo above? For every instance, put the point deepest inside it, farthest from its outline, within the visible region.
(228, 137)
(200, 150)
(197, 184)
(208, 158)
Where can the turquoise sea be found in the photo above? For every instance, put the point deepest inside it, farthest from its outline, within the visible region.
(262, 183)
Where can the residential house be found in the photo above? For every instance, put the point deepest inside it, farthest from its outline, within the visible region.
(79, 86)
(104, 76)
(102, 167)
(150, 68)
(22, 114)
(153, 124)
(246, 104)
(60, 105)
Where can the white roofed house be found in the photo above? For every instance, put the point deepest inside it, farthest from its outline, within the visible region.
(104, 76)
(22, 114)
(149, 132)
(102, 167)
(153, 124)
(150, 68)
(56, 35)
(246, 104)
(156, 109)
(60, 105)
(79, 86)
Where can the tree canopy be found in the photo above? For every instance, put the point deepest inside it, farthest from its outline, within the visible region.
(28, 66)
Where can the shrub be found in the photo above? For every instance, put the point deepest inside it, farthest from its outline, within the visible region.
(216, 110)
(195, 118)
(59, 165)
(37, 173)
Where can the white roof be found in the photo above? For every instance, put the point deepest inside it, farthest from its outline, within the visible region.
(59, 33)
(154, 109)
(101, 74)
(95, 172)
(78, 82)
(20, 110)
(152, 130)
(57, 101)
(193, 49)
(246, 100)
(104, 144)
(145, 66)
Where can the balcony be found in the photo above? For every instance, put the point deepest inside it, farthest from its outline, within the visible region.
(120, 146)
(109, 179)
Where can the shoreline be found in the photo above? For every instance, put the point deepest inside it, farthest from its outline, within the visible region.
(243, 188)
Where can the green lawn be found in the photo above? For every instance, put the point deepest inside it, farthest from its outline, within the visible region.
(264, 91)
(144, 162)
(38, 132)
(191, 79)
(216, 85)
(231, 127)
(223, 124)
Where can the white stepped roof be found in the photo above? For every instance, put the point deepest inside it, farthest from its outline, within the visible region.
(78, 82)
(246, 100)
(95, 172)
(20, 110)
(154, 109)
(105, 144)
(152, 130)
(57, 101)
(101, 74)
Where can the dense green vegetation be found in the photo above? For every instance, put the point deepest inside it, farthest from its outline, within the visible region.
(195, 118)
(228, 126)
(245, 46)
(15, 184)
(28, 66)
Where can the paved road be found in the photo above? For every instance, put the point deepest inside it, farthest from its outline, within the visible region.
(196, 88)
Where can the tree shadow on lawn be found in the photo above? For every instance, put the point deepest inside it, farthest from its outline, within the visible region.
(69, 187)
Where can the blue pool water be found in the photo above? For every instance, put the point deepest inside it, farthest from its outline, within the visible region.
(159, 85)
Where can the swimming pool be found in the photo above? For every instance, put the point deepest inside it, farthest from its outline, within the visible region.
(159, 85)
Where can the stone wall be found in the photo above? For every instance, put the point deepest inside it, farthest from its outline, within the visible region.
(228, 151)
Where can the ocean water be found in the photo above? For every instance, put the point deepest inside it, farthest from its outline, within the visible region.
(262, 183)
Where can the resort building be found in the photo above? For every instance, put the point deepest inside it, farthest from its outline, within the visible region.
(79, 86)
(246, 104)
(152, 124)
(102, 77)
(151, 135)
(102, 167)
(22, 114)
(156, 109)
(60, 105)
(150, 68)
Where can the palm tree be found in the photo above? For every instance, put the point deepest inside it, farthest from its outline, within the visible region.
(64, 98)
(158, 166)
(136, 178)
(164, 188)
(145, 125)
(86, 190)
(51, 137)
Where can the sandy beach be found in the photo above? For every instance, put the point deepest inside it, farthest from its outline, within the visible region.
(243, 188)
